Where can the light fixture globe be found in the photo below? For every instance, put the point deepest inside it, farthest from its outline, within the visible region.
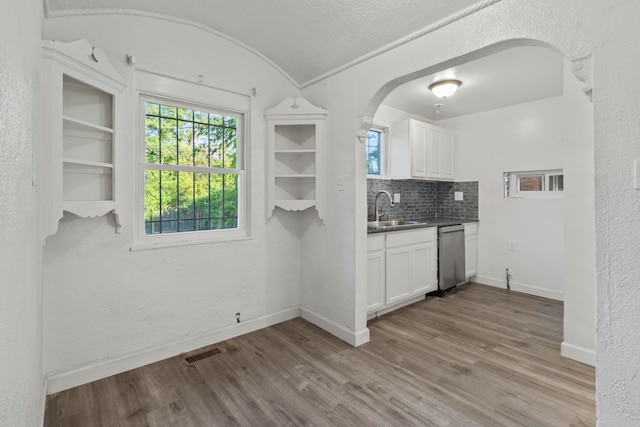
(445, 88)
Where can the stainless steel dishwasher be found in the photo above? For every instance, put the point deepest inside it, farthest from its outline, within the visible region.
(451, 267)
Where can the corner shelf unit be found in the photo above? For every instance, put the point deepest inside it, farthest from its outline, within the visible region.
(81, 105)
(295, 143)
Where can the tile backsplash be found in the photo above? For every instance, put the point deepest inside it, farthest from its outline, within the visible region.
(424, 199)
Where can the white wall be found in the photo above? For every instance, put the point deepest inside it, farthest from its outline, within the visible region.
(579, 223)
(108, 309)
(517, 138)
(21, 381)
(617, 143)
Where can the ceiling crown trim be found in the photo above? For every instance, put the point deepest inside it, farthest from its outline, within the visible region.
(415, 35)
(50, 14)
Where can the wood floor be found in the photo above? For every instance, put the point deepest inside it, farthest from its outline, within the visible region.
(480, 356)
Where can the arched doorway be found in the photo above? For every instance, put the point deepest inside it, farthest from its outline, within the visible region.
(572, 117)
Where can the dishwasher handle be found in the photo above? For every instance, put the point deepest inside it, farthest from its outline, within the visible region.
(450, 229)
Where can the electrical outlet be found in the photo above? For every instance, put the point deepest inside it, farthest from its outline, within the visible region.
(458, 196)
(396, 197)
(340, 183)
(238, 317)
(511, 246)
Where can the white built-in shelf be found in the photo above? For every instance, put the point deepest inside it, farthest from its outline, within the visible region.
(295, 140)
(82, 96)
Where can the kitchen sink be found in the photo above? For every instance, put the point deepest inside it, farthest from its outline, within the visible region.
(389, 224)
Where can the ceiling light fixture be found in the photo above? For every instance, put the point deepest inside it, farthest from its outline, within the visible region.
(445, 88)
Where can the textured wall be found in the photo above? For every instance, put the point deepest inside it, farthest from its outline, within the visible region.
(617, 141)
(20, 251)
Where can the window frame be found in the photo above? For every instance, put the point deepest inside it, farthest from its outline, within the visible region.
(384, 157)
(189, 95)
(512, 189)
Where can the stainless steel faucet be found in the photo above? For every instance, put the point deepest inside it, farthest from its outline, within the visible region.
(375, 203)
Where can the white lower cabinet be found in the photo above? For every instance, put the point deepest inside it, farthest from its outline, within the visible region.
(409, 270)
(375, 273)
(471, 249)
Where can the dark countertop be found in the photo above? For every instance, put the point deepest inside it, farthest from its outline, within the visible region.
(422, 223)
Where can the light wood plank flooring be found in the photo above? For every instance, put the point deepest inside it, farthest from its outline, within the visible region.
(480, 356)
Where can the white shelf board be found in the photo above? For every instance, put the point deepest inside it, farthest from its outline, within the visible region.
(73, 123)
(86, 163)
(295, 205)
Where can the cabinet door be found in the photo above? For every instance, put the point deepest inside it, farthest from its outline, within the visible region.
(471, 249)
(418, 149)
(398, 274)
(375, 280)
(434, 153)
(423, 268)
(446, 154)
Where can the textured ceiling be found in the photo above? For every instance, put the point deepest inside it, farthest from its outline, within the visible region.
(306, 39)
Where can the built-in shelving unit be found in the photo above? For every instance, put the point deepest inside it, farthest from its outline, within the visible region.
(296, 163)
(81, 97)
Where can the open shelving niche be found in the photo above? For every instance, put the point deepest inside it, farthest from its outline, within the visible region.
(81, 101)
(296, 140)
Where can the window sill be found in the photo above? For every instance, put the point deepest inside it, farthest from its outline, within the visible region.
(145, 246)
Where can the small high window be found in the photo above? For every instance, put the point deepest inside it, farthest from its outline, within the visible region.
(542, 183)
(376, 153)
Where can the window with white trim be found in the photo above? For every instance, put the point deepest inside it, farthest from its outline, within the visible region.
(376, 153)
(540, 183)
(193, 169)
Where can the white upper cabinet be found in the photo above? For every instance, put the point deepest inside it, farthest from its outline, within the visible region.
(420, 150)
(81, 110)
(295, 160)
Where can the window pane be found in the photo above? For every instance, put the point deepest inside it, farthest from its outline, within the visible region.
(185, 143)
(230, 201)
(185, 114)
(201, 191)
(186, 195)
(187, 201)
(201, 116)
(168, 141)
(531, 183)
(230, 148)
(373, 153)
(151, 195)
(169, 202)
(152, 109)
(216, 146)
(152, 140)
(168, 111)
(556, 182)
(507, 184)
(201, 145)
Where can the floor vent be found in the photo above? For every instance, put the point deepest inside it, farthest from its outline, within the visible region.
(202, 355)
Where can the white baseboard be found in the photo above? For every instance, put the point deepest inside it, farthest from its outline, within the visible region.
(520, 287)
(355, 338)
(394, 307)
(577, 353)
(102, 369)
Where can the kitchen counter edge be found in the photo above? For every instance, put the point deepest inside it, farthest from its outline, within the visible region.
(422, 223)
